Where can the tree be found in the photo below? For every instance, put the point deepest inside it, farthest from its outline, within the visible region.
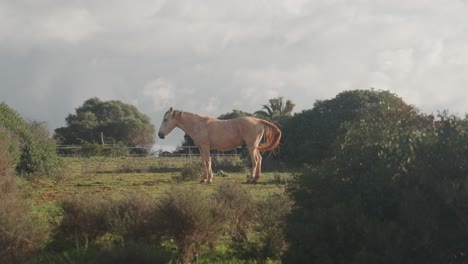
(394, 190)
(276, 111)
(117, 121)
(234, 114)
(308, 137)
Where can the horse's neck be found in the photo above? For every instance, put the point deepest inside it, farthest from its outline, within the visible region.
(188, 122)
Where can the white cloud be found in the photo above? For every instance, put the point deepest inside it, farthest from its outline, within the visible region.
(159, 94)
(69, 25)
(214, 56)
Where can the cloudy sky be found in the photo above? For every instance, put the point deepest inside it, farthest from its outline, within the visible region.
(213, 56)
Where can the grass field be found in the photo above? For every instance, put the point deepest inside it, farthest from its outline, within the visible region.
(119, 177)
(116, 178)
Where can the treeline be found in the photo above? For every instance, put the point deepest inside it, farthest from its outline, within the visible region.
(383, 183)
(378, 182)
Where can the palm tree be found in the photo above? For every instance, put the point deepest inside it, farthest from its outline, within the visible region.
(277, 110)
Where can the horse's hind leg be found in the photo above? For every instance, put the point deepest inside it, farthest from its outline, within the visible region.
(206, 158)
(256, 162)
(259, 165)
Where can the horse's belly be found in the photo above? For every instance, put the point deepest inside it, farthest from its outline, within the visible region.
(224, 146)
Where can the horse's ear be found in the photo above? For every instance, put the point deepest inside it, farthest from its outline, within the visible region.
(170, 110)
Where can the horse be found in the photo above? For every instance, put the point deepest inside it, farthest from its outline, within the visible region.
(209, 133)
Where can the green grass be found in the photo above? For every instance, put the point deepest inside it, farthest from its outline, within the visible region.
(115, 178)
(119, 177)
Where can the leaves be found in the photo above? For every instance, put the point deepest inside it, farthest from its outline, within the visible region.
(119, 122)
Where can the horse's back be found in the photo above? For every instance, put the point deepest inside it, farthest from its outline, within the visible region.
(232, 133)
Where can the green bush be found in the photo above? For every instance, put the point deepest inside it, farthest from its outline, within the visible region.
(133, 219)
(271, 218)
(395, 191)
(84, 220)
(21, 234)
(310, 136)
(92, 219)
(37, 151)
(228, 163)
(191, 219)
(136, 253)
(236, 203)
(191, 171)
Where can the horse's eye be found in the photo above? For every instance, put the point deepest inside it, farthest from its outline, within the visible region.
(165, 119)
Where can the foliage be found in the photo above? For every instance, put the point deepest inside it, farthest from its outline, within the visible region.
(272, 221)
(191, 172)
(119, 122)
(191, 220)
(84, 220)
(36, 150)
(237, 205)
(394, 190)
(277, 111)
(228, 163)
(309, 137)
(21, 234)
(88, 220)
(268, 219)
(234, 114)
(140, 253)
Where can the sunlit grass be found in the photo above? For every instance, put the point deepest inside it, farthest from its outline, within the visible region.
(121, 177)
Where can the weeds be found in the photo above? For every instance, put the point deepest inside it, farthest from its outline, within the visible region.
(21, 234)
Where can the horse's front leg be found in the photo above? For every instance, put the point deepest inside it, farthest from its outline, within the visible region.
(206, 158)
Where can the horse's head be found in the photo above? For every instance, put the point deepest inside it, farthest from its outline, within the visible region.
(168, 123)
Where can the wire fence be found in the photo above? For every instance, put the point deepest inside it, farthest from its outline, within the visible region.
(147, 151)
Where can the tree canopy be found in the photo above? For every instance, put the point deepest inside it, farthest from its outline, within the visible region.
(277, 110)
(393, 190)
(117, 121)
(309, 136)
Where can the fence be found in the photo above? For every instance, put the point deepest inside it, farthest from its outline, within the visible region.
(119, 150)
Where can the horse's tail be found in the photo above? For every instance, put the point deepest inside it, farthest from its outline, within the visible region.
(272, 136)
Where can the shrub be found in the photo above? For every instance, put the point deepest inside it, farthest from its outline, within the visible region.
(84, 220)
(191, 219)
(227, 163)
(269, 222)
(20, 234)
(133, 219)
(271, 217)
(236, 203)
(191, 171)
(89, 219)
(37, 151)
(136, 253)
(395, 192)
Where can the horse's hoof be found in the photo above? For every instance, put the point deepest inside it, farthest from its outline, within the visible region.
(202, 181)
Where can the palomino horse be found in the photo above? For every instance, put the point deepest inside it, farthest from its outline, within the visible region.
(211, 133)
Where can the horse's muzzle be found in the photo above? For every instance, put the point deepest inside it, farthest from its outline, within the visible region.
(161, 135)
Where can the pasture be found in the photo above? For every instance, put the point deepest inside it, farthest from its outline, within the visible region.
(122, 176)
(117, 178)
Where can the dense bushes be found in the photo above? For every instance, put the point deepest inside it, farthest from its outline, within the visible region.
(309, 136)
(394, 191)
(185, 223)
(37, 151)
(20, 233)
(191, 219)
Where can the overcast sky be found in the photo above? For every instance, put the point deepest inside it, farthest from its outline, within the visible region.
(217, 55)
